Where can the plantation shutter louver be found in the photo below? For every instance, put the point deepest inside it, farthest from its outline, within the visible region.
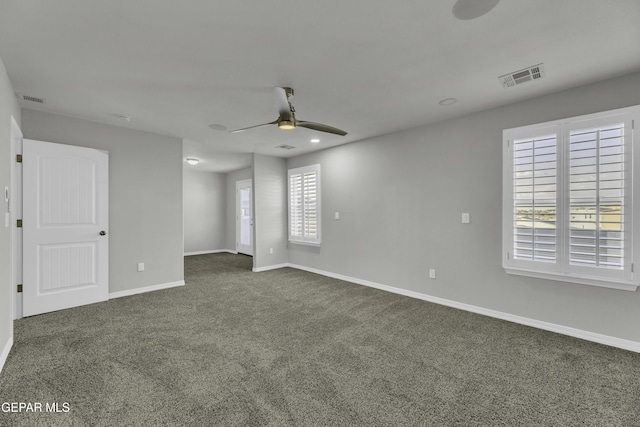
(310, 208)
(597, 196)
(295, 205)
(534, 185)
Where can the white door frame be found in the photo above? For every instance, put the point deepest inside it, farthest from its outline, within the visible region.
(244, 184)
(15, 213)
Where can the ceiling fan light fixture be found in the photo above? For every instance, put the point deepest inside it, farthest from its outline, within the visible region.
(192, 161)
(286, 125)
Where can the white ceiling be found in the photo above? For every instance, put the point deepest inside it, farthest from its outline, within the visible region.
(370, 67)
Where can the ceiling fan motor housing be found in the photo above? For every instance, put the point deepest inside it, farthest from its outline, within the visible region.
(288, 91)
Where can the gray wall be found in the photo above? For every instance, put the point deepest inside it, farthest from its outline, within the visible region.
(145, 195)
(205, 214)
(8, 107)
(232, 178)
(400, 197)
(270, 210)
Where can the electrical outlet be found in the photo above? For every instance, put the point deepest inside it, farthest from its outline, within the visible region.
(141, 266)
(337, 216)
(432, 273)
(271, 251)
(466, 219)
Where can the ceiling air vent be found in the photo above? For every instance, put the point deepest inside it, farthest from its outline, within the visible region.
(286, 147)
(28, 98)
(522, 76)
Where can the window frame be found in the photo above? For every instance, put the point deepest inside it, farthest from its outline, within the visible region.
(562, 268)
(302, 238)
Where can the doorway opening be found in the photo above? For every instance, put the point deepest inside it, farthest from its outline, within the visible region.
(244, 217)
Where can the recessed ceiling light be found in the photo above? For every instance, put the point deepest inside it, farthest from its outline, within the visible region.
(448, 101)
(218, 127)
(315, 140)
(192, 161)
(121, 117)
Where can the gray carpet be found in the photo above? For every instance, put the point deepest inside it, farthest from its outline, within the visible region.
(290, 348)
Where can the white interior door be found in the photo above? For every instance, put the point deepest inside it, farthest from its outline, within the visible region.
(65, 225)
(244, 218)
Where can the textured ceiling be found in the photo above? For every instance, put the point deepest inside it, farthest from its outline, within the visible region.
(369, 67)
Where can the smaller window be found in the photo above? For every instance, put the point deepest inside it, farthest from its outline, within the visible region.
(304, 205)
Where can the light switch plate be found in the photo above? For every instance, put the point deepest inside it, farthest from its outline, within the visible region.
(466, 218)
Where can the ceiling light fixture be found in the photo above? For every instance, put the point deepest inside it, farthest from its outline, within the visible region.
(448, 101)
(122, 117)
(315, 140)
(221, 128)
(192, 161)
(286, 125)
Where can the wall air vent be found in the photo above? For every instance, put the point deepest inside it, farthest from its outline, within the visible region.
(28, 98)
(522, 76)
(286, 147)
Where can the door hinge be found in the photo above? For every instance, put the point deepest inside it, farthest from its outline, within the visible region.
(19, 223)
(632, 267)
(20, 288)
(19, 158)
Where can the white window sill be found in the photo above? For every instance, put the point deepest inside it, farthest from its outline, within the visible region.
(603, 283)
(302, 242)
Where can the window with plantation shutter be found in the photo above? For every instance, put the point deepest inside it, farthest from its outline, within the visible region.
(304, 205)
(568, 200)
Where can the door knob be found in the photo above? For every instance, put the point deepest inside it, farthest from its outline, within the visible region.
(103, 233)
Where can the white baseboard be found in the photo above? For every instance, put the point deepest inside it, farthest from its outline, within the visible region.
(5, 352)
(145, 289)
(216, 251)
(272, 267)
(552, 327)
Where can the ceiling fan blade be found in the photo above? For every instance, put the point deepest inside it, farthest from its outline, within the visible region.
(256, 126)
(472, 9)
(281, 101)
(320, 127)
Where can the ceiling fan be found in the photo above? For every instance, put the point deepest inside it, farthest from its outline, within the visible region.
(287, 115)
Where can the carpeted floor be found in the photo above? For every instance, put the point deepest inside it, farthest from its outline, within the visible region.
(290, 348)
